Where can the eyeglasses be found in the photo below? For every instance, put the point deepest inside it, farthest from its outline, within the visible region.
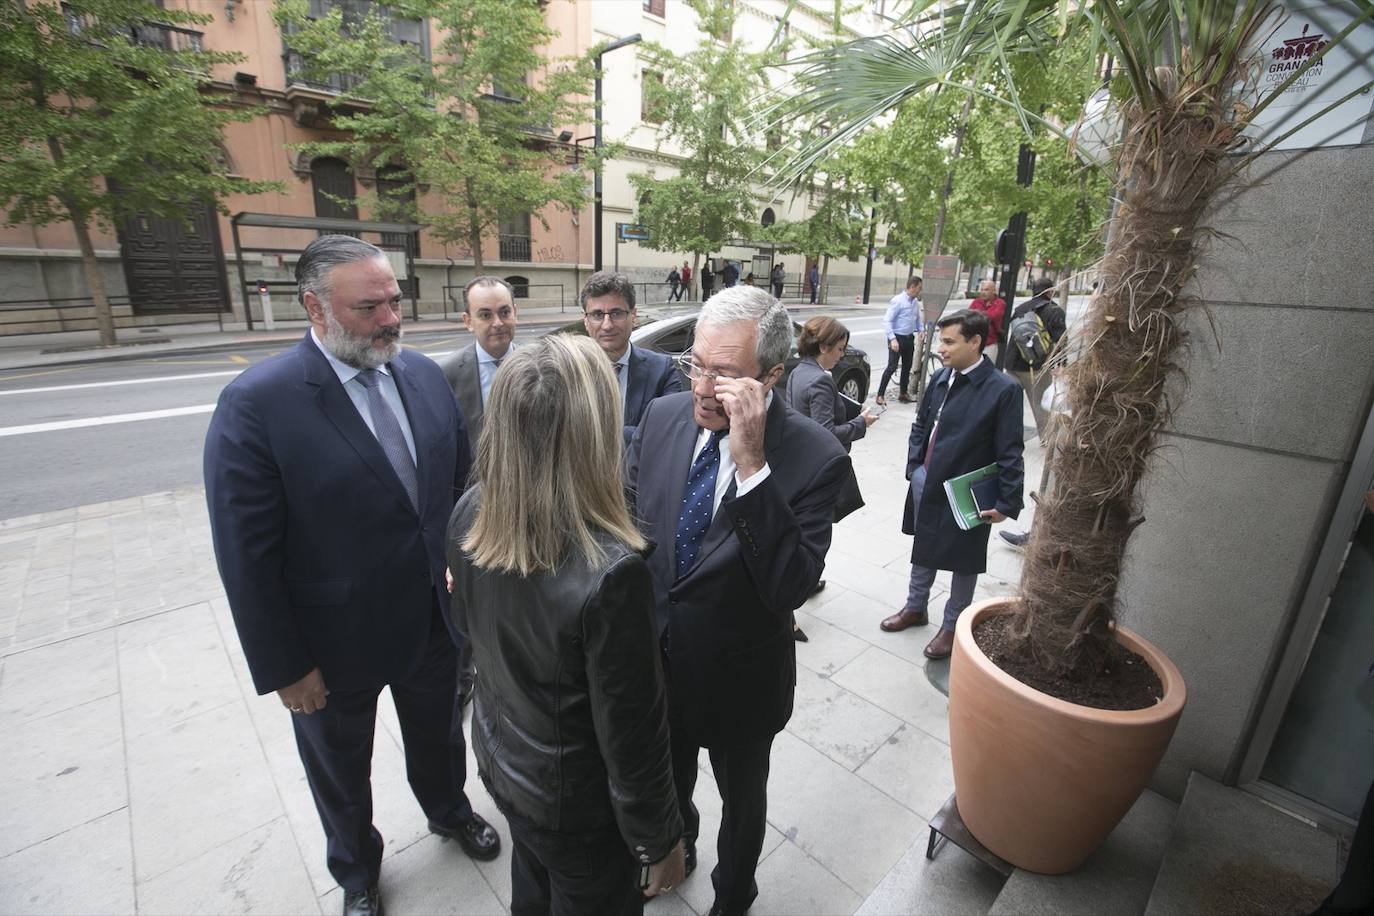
(697, 373)
(616, 315)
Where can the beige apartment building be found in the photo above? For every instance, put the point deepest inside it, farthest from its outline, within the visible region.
(161, 270)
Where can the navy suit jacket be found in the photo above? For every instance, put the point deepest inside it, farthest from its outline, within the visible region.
(980, 425)
(324, 559)
(727, 622)
(652, 375)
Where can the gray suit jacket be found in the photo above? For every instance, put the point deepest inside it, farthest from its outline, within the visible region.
(464, 377)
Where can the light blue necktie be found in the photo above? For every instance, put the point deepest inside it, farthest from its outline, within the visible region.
(698, 501)
(389, 435)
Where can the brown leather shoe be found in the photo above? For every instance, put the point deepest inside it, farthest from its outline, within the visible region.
(904, 618)
(904, 398)
(941, 646)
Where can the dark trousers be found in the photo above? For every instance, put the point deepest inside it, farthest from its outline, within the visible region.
(777, 290)
(335, 745)
(570, 874)
(815, 289)
(906, 344)
(675, 293)
(741, 771)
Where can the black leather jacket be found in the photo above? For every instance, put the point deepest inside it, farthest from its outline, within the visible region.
(569, 723)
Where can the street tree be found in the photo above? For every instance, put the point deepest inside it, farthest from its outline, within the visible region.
(473, 124)
(106, 113)
(701, 103)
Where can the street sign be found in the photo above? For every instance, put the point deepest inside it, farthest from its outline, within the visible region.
(940, 274)
(632, 232)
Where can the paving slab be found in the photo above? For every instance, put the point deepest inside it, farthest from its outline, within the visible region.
(87, 869)
(952, 884)
(914, 769)
(898, 686)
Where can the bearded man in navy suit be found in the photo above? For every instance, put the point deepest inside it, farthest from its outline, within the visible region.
(608, 312)
(330, 472)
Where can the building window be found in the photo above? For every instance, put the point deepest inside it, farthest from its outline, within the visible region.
(335, 196)
(768, 218)
(520, 286)
(654, 7)
(408, 33)
(510, 92)
(514, 236)
(772, 140)
(651, 97)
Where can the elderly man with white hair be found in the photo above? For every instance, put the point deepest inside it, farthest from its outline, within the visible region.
(739, 491)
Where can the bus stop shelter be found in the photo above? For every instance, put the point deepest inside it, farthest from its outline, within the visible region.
(398, 232)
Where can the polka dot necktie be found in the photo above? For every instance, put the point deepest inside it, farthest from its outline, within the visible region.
(389, 435)
(698, 499)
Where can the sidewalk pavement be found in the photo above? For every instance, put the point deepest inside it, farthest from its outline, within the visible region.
(145, 776)
(25, 351)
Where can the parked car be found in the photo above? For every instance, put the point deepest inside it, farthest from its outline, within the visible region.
(673, 335)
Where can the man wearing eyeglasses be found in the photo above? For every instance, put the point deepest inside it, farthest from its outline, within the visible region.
(738, 490)
(489, 312)
(608, 311)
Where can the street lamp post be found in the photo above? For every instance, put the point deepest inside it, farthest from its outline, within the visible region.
(596, 144)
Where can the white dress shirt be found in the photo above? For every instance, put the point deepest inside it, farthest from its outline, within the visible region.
(486, 368)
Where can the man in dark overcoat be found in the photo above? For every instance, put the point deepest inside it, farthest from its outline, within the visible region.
(970, 417)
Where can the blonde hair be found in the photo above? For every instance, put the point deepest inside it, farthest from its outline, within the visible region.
(548, 460)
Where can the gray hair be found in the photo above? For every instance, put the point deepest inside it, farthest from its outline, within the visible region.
(608, 283)
(484, 280)
(749, 303)
(323, 255)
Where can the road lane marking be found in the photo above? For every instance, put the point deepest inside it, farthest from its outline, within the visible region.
(11, 378)
(105, 421)
(241, 360)
(127, 381)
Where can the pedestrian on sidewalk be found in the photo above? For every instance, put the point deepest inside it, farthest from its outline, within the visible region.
(330, 474)
(686, 274)
(813, 278)
(708, 280)
(812, 393)
(549, 580)
(674, 285)
(1028, 361)
(970, 417)
(900, 324)
(777, 278)
(995, 308)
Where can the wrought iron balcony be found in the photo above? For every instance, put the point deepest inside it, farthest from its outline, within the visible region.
(150, 34)
(335, 82)
(514, 247)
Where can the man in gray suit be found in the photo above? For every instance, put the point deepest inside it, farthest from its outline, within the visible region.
(608, 312)
(489, 312)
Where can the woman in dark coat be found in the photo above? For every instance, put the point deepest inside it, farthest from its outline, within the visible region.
(811, 391)
(549, 582)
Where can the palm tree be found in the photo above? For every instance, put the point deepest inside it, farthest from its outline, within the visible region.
(1184, 97)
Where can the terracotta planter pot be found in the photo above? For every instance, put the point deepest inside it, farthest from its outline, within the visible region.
(1042, 782)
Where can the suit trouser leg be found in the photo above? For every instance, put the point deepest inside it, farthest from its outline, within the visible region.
(906, 345)
(684, 757)
(335, 745)
(741, 771)
(431, 716)
(961, 588)
(903, 346)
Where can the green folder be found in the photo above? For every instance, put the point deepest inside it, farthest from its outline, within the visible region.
(971, 493)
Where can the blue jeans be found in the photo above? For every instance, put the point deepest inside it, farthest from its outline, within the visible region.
(923, 577)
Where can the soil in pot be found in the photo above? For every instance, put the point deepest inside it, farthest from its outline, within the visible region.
(1129, 682)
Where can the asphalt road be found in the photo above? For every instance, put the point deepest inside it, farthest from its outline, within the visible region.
(86, 433)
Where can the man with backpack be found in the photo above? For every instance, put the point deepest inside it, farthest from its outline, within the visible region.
(1036, 328)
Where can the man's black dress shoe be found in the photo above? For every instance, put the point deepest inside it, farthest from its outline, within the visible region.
(689, 858)
(363, 903)
(478, 838)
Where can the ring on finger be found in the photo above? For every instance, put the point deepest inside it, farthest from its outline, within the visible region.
(298, 709)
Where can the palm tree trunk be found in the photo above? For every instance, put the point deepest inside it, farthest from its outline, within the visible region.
(1169, 167)
(949, 176)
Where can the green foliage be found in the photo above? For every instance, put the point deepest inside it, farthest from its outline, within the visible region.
(703, 101)
(82, 101)
(473, 124)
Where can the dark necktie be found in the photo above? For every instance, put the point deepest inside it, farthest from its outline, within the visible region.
(618, 367)
(388, 431)
(698, 500)
(935, 427)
